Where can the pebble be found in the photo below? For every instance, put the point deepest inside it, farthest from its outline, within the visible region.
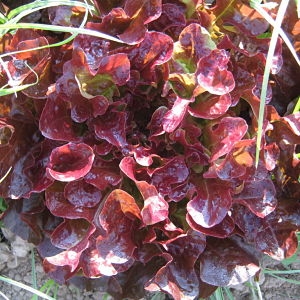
(18, 277)
(27, 279)
(16, 288)
(61, 292)
(39, 269)
(69, 297)
(11, 273)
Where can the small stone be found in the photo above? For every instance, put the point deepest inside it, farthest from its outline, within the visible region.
(27, 278)
(20, 247)
(16, 288)
(7, 233)
(39, 269)
(17, 277)
(12, 263)
(69, 296)
(11, 273)
(61, 292)
(2, 266)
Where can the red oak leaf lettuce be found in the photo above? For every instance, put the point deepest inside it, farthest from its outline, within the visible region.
(131, 164)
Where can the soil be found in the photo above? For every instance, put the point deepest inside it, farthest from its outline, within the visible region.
(15, 263)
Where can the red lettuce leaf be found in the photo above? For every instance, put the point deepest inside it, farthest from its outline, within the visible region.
(59, 206)
(69, 233)
(99, 105)
(275, 234)
(258, 196)
(236, 163)
(113, 251)
(163, 233)
(155, 125)
(173, 118)
(103, 174)
(224, 134)
(64, 15)
(81, 109)
(56, 122)
(194, 43)
(16, 154)
(178, 277)
(155, 49)
(211, 204)
(171, 21)
(78, 77)
(212, 73)
(155, 207)
(70, 161)
(93, 48)
(111, 127)
(128, 20)
(117, 66)
(140, 14)
(244, 18)
(37, 60)
(169, 175)
(224, 263)
(143, 156)
(134, 280)
(21, 218)
(80, 193)
(69, 259)
(207, 106)
(224, 229)
(183, 84)
(194, 152)
(37, 171)
(117, 23)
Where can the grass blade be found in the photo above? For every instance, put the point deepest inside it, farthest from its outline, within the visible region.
(4, 297)
(282, 34)
(13, 90)
(228, 293)
(5, 175)
(24, 10)
(50, 285)
(275, 34)
(297, 106)
(25, 287)
(260, 297)
(298, 8)
(33, 274)
(282, 272)
(73, 30)
(58, 44)
(286, 279)
(217, 295)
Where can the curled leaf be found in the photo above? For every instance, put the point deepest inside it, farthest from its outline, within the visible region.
(212, 73)
(70, 161)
